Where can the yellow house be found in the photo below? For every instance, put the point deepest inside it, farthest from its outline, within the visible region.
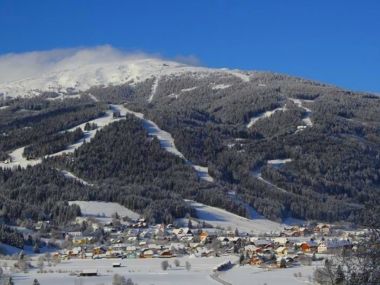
(203, 235)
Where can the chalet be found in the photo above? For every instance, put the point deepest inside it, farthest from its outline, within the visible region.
(281, 251)
(330, 245)
(147, 253)
(255, 260)
(166, 254)
(280, 241)
(182, 232)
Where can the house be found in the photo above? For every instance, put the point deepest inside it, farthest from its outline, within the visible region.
(182, 232)
(147, 253)
(255, 260)
(305, 247)
(203, 236)
(280, 240)
(281, 250)
(166, 254)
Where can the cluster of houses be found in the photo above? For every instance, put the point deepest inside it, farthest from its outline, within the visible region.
(138, 239)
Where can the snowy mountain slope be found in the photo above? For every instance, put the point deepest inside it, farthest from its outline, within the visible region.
(80, 78)
(222, 218)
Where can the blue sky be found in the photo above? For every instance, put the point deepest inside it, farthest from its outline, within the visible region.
(334, 41)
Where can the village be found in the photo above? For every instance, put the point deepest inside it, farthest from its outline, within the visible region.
(96, 245)
(122, 238)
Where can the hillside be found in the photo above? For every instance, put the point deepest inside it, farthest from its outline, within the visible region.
(148, 133)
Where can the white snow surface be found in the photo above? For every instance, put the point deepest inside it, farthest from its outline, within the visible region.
(224, 219)
(250, 275)
(266, 114)
(104, 209)
(18, 160)
(220, 86)
(81, 69)
(153, 91)
(167, 142)
(143, 271)
(307, 121)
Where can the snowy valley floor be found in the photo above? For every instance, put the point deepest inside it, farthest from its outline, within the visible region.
(148, 272)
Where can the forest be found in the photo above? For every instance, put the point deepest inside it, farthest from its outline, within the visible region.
(332, 173)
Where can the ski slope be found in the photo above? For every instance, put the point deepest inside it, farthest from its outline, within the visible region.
(167, 142)
(306, 120)
(17, 159)
(266, 114)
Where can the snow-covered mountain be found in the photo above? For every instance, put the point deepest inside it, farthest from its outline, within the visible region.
(80, 77)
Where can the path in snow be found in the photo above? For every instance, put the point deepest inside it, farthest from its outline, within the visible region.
(93, 97)
(266, 114)
(277, 163)
(220, 86)
(167, 142)
(153, 91)
(71, 175)
(306, 120)
(17, 159)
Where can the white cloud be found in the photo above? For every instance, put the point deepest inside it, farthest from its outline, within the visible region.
(16, 66)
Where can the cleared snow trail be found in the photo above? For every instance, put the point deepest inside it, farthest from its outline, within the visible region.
(167, 143)
(277, 163)
(71, 175)
(17, 159)
(306, 120)
(154, 89)
(266, 114)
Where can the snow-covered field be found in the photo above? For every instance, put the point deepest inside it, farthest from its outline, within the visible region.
(141, 271)
(248, 275)
(148, 272)
(167, 142)
(104, 209)
(224, 219)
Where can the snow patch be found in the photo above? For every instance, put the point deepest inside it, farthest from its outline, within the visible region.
(220, 86)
